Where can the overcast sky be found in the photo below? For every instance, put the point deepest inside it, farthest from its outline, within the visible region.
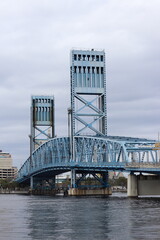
(36, 37)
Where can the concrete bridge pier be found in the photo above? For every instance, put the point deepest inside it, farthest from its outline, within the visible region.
(143, 185)
(42, 186)
(79, 190)
(31, 183)
(132, 185)
(73, 178)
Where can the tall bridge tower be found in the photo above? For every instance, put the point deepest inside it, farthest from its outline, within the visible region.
(88, 102)
(42, 120)
(88, 93)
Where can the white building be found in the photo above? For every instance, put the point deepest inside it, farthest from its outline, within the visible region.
(6, 166)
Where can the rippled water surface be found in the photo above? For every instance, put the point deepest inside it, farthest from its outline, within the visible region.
(65, 218)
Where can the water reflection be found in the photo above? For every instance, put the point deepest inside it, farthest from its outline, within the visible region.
(69, 218)
(13, 217)
(113, 218)
(145, 218)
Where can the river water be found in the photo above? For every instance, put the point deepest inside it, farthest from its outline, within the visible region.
(66, 218)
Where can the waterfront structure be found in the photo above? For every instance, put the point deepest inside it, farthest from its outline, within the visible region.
(88, 93)
(6, 167)
(88, 100)
(42, 120)
(88, 149)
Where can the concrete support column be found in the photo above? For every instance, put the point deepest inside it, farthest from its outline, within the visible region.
(53, 182)
(31, 182)
(105, 179)
(31, 185)
(132, 185)
(73, 178)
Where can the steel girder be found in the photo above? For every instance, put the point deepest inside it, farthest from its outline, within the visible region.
(109, 151)
(88, 93)
(92, 154)
(42, 120)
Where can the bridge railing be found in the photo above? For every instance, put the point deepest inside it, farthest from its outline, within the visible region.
(54, 152)
(90, 152)
(110, 150)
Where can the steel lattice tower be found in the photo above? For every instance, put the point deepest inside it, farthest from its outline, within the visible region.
(88, 93)
(42, 120)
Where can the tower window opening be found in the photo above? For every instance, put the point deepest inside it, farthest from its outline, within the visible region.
(75, 68)
(84, 70)
(101, 58)
(97, 70)
(79, 57)
(84, 57)
(101, 70)
(75, 57)
(88, 57)
(97, 58)
(93, 70)
(93, 57)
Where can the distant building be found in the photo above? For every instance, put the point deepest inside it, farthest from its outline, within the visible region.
(6, 166)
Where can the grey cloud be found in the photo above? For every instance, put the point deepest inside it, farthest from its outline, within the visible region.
(36, 38)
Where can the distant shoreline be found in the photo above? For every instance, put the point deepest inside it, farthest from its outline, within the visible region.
(6, 191)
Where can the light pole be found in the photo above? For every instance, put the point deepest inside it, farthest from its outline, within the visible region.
(69, 129)
(30, 139)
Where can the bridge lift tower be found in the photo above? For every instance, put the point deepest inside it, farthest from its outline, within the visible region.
(42, 120)
(88, 95)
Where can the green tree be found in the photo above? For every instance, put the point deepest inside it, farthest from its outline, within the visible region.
(121, 181)
(7, 183)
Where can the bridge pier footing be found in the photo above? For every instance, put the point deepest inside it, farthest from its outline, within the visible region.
(143, 185)
(89, 192)
(132, 187)
(78, 189)
(42, 186)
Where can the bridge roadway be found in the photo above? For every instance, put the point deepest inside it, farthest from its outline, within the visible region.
(92, 154)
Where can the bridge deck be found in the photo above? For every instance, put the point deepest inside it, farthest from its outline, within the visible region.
(92, 154)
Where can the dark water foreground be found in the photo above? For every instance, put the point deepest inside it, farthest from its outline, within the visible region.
(116, 217)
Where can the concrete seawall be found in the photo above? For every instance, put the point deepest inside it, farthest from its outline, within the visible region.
(89, 192)
(7, 191)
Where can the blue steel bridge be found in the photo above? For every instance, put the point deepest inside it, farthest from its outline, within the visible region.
(92, 155)
(87, 149)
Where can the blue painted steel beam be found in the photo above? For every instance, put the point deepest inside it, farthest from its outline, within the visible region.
(91, 154)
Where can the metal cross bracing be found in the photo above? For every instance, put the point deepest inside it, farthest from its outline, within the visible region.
(88, 93)
(78, 179)
(42, 120)
(92, 154)
(87, 149)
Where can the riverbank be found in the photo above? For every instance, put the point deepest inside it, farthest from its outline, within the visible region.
(8, 191)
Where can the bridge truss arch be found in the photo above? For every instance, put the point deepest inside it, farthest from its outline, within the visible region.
(92, 154)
